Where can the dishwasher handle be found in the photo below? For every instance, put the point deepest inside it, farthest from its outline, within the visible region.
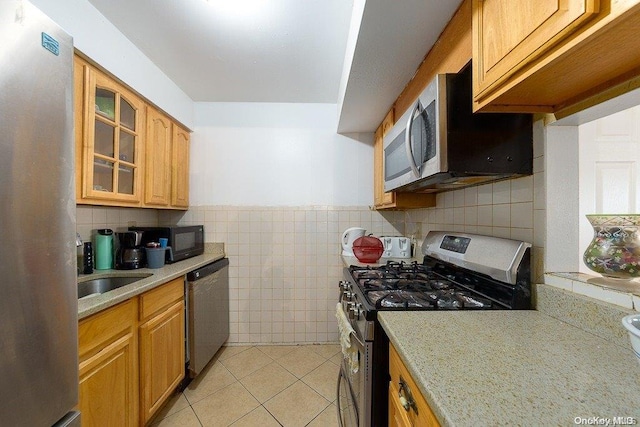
(207, 270)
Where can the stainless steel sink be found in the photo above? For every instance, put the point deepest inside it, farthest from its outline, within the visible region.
(105, 284)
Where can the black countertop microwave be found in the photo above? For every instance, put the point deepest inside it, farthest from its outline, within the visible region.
(185, 241)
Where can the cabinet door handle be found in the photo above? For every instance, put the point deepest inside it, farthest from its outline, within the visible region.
(407, 402)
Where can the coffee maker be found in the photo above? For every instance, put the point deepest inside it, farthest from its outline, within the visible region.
(130, 254)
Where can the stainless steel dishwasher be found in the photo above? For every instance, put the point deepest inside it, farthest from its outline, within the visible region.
(207, 313)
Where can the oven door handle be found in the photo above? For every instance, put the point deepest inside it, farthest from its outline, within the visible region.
(342, 377)
(407, 140)
(338, 397)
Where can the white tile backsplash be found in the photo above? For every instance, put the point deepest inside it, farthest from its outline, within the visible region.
(90, 218)
(458, 199)
(522, 215)
(485, 215)
(502, 192)
(285, 265)
(471, 196)
(502, 215)
(522, 190)
(485, 195)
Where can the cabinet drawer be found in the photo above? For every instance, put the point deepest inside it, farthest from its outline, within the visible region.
(418, 415)
(161, 297)
(97, 330)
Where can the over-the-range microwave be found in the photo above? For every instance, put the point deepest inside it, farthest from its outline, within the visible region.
(185, 241)
(440, 144)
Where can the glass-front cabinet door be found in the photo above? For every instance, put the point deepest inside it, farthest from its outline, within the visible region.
(113, 133)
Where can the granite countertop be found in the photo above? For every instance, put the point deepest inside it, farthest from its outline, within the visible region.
(93, 304)
(513, 368)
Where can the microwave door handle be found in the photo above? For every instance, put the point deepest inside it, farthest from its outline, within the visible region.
(407, 141)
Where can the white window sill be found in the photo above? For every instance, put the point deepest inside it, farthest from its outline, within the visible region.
(625, 293)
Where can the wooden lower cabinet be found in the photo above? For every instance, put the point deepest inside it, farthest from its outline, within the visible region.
(161, 346)
(131, 357)
(403, 390)
(108, 374)
(398, 417)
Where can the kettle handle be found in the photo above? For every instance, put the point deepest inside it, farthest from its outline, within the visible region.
(344, 236)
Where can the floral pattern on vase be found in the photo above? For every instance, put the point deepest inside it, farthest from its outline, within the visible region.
(615, 248)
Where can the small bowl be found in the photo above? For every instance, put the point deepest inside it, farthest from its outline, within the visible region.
(632, 325)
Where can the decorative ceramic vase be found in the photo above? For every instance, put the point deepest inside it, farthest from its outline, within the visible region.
(615, 248)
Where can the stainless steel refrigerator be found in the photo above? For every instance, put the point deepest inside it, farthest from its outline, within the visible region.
(38, 291)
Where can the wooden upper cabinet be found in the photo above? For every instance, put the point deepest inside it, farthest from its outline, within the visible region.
(553, 56)
(158, 159)
(167, 162)
(128, 153)
(109, 138)
(180, 168)
(510, 33)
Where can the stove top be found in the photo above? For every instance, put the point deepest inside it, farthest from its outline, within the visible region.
(459, 272)
(415, 286)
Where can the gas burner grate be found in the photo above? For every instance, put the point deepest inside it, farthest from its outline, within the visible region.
(401, 299)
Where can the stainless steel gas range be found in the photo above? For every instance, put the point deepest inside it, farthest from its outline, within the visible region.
(460, 271)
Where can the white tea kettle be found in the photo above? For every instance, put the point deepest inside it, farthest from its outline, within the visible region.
(348, 237)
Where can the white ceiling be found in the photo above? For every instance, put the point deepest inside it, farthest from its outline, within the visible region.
(286, 50)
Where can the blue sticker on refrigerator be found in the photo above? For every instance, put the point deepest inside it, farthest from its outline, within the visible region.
(50, 44)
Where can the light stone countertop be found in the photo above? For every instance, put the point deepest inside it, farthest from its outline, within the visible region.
(93, 304)
(513, 368)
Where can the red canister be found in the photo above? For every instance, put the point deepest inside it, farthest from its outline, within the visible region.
(368, 249)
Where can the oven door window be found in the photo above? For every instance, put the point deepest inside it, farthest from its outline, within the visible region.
(423, 134)
(347, 401)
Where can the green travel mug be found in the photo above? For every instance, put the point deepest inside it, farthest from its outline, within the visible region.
(104, 249)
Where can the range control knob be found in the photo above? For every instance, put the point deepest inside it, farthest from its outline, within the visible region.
(351, 308)
(355, 310)
(347, 295)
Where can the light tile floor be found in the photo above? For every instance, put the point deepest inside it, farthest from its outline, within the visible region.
(261, 386)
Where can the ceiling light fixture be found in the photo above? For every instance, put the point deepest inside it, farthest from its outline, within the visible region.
(239, 8)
